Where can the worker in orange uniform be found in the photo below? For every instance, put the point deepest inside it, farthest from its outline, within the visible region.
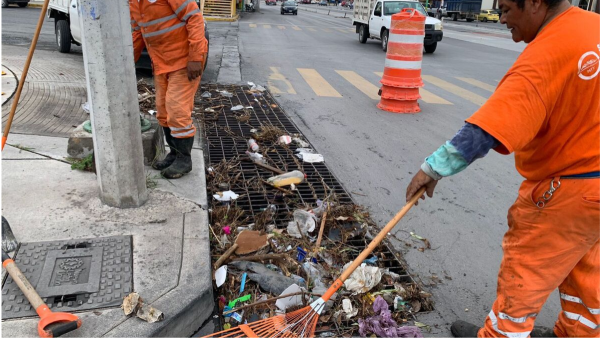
(173, 33)
(546, 110)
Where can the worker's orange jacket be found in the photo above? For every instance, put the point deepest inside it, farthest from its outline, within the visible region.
(171, 30)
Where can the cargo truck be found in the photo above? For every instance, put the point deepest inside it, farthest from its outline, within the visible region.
(457, 9)
(373, 18)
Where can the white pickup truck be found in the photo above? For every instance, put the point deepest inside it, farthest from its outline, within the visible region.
(373, 18)
(68, 28)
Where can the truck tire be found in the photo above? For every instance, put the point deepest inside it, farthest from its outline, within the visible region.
(385, 35)
(207, 48)
(454, 17)
(23, 4)
(363, 33)
(63, 36)
(430, 48)
(4, 3)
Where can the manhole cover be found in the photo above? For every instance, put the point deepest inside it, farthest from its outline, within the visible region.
(72, 275)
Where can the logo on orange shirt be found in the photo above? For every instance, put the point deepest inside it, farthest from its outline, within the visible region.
(589, 65)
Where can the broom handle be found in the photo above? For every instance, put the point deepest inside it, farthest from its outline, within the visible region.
(374, 243)
(13, 108)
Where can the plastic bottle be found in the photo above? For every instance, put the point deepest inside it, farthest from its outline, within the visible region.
(293, 177)
(252, 144)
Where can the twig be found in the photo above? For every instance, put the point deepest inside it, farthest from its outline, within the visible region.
(318, 245)
(265, 166)
(278, 188)
(355, 193)
(260, 257)
(216, 237)
(225, 255)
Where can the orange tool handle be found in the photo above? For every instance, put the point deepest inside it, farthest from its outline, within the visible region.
(374, 243)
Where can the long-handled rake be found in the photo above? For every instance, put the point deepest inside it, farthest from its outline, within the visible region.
(303, 322)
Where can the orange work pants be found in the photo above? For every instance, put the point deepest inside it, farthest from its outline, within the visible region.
(545, 248)
(175, 102)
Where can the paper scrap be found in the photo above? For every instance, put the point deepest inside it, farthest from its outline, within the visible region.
(348, 309)
(226, 196)
(284, 303)
(221, 275)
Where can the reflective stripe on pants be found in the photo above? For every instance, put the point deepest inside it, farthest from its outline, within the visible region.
(175, 102)
(554, 247)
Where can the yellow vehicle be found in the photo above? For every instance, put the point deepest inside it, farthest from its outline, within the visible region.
(488, 15)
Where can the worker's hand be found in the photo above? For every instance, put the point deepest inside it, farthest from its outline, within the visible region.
(194, 69)
(419, 180)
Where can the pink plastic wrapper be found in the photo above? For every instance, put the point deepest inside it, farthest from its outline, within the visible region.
(383, 325)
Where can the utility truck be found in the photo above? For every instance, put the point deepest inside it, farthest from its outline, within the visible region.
(373, 19)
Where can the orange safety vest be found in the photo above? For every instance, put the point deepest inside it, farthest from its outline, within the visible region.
(171, 30)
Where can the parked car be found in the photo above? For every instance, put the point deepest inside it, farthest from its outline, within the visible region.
(497, 11)
(21, 3)
(323, 3)
(271, 2)
(488, 15)
(289, 7)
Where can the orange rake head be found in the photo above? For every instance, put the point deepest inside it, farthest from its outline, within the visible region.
(55, 324)
(300, 323)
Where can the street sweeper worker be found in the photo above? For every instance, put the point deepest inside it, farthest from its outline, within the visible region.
(546, 110)
(173, 33)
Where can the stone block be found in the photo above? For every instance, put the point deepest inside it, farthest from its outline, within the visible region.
(81, 143)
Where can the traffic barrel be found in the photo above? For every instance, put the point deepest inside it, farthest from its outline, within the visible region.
(405, 50)
(402, 74)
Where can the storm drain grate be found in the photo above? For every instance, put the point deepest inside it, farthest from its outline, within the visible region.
(71, 275)
(226, 133)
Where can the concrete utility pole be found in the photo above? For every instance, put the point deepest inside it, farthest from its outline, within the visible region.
(112, 90)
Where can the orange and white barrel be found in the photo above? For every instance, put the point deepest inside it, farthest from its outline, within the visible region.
(402, 74)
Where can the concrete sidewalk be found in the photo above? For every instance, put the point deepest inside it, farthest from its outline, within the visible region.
(44, 200)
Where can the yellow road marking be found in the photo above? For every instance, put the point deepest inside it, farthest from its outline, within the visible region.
(296, 28)
(312, 29)
(426, 95)
(341, 30)
(252, 25)
(266, 26)
(318, 84)
(361, 83)
(478, 83)
(326, 30)
(281, 27)
(276, 76)
(454, 89)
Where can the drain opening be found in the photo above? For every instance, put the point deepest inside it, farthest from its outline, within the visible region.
(76, 246)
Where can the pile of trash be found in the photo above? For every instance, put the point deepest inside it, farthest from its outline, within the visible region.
(281, 256)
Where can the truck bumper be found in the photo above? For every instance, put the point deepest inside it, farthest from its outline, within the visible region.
(432, 36)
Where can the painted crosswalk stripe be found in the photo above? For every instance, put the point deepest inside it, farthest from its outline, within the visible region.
(281, 27)
(478, 83)
(317, 83)
(252, 25)
(426, 96)
(361, 83)
(456, 90)
(296, 28)
(266, 26)
(277, 80)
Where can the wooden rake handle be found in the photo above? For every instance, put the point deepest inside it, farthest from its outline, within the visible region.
(374, 243)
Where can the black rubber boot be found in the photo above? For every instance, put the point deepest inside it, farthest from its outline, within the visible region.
(183, 161)
(542, 331)
(170, 158)
(460, 328)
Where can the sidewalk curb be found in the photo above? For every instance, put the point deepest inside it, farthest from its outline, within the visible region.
(16, 79)
(216, 18)
(35, 5)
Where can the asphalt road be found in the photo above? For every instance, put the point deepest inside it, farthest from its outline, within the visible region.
(326, 80)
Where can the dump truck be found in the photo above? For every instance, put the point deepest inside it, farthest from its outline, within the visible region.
(372, 19)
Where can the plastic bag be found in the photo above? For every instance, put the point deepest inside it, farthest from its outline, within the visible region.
(303, 220)
(363, 279)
